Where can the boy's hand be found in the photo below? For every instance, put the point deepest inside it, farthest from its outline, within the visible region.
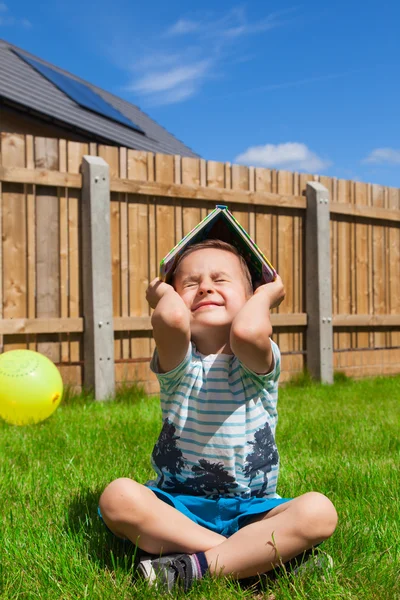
(275, 291)
(156, 290)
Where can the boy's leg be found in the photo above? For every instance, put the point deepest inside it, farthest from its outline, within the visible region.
(133, 511)
(272, 539)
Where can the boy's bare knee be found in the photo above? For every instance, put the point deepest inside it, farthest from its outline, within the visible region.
(122, 500)
(317, 517)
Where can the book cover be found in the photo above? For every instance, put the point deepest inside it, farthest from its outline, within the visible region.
(221, 224)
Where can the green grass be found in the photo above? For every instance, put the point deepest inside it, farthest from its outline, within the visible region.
(341, 440)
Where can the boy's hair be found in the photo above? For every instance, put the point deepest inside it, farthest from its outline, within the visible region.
(219, 245)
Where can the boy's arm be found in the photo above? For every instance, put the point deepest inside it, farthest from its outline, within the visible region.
(171, 324)
(251, 329)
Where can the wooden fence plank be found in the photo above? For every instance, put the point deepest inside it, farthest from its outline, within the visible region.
(368, 320)
(14, 238)
(13, 152)
(165, 213)
(212, 195)
(378, 268)
(137, 165)
(240, 181)
(393, 262)
(124, 250)
(139, 264)
(362, 276)
(75, 153)
(215, 174)
(228, 176)
(190, 171)
(178, 174)
(111, 155)
(40, 177)
(64, 250)
(203, 183)
(191, 213)
(23, 326)
(30, 192)
(48, 243)
(252, 209)
(263, 222)
(344, 267)
(285, 261)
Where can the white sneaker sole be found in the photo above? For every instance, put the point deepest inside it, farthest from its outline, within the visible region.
(146, 570)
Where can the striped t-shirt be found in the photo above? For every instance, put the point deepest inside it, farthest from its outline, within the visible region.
(218, 434)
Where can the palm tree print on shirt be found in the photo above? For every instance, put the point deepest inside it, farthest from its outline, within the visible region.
(263, 457)
(166, 454)
(210, 479)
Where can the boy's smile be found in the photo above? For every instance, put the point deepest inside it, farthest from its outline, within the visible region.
(204, 304)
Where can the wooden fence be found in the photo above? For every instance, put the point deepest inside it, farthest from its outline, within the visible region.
(155, 200)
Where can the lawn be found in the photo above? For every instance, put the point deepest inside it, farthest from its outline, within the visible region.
(341, 440)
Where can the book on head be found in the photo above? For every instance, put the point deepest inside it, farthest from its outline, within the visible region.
(221, 224)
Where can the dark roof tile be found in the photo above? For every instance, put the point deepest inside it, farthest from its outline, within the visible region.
(22, 84)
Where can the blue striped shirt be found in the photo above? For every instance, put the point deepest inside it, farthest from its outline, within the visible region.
(219, 421)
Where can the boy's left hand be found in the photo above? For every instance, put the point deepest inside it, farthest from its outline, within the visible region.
(275, 291)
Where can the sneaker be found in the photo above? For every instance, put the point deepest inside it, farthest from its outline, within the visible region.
(168, 571)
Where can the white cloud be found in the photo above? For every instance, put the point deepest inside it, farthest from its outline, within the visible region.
(272, 21)
(167, 80)
(388, 156)
(292, 156)
(182, 27)
(157, 60)
(7, 20)
(232, 24)
(177, 94)
(176, 67)
(172, 85)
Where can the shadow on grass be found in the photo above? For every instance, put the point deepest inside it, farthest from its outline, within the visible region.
(87, 529)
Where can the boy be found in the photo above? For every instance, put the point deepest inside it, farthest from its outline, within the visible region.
(214, 505)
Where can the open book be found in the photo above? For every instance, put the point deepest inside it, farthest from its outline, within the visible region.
(221, 224)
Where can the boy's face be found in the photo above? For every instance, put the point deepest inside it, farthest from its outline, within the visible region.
(213, 286)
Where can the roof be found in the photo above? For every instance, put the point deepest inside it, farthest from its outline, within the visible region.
(23, 85)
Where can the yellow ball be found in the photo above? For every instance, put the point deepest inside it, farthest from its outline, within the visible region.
(30, 387)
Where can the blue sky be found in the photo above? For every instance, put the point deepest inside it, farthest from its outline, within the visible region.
(309, 87)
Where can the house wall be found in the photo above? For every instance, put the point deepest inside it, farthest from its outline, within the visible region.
(13, 121)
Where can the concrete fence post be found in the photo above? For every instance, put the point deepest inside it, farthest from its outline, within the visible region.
(318, 284)
(97, 281)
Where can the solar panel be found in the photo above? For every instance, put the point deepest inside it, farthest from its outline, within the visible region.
(81, 93)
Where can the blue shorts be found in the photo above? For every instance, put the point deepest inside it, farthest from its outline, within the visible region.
(224, 515)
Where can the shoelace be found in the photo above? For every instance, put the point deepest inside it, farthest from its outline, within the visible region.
(183, 571)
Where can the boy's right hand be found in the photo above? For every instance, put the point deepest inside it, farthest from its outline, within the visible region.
(156, 290)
